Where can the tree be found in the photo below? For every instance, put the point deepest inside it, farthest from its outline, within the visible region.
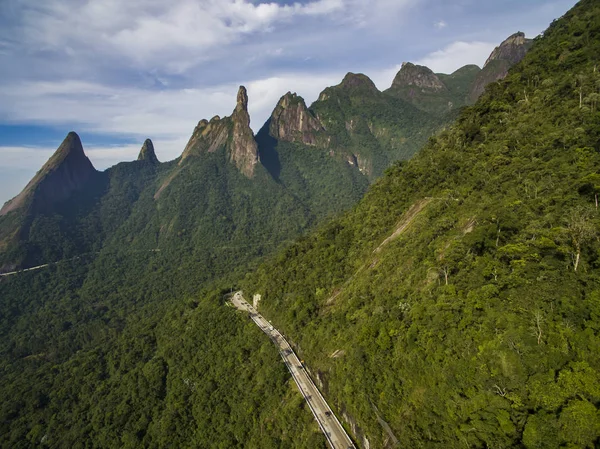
(579, 424)
(581, 231)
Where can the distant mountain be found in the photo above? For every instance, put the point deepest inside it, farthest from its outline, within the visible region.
(435, 93)
(368, 128)
(442, 94)
(67, 176)
(66, 172)
(353, 122)
(328, 153)
(506, 55)
(147, 153)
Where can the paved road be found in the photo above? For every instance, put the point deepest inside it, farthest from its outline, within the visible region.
(11, 273)
(331, 427)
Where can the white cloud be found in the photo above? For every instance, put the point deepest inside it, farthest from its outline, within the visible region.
(457, 55)
(176, 35)
(24, 158)
(440, 25)
(168, 117)
(173, 34)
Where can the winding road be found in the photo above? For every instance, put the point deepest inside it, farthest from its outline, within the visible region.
(328, 422)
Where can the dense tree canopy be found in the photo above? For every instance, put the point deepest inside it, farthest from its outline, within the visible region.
(477, 324)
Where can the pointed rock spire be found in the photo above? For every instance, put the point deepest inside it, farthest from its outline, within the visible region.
(232, 133)
(66, 171)
(243, 150)
(242, 100)
(147, 153)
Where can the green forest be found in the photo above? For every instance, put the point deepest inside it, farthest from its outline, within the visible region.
(476, 323)
(83, 370)
(457, 304)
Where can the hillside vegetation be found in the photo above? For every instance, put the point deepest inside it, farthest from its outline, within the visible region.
(478, 324)
(98, 363)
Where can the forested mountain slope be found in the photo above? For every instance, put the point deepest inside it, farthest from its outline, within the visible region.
(123, 342)
(138, 368)
(458, 305)
(106, 349)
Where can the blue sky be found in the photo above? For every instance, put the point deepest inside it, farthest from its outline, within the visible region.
(119, 71)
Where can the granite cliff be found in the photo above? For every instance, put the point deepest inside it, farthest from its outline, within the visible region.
(506, 55)
(291, 121)
(418, 77)
(232, 133)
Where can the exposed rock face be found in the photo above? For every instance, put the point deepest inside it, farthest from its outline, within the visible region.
(512, 49)
(507, 54)
(67, 171)
(147, 153)
(207, 137)
(357, 81)
(233, 133)
(243, 151)
(291, 121)
(417, 76)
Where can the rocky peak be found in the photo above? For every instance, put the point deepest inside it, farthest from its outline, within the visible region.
(418, 76)
(66, 171)
(292, 121)
(232, 133)
(242, 99)
(147, 153)
(512, 49)
(506, 55)
(358, 81)
(243, 150)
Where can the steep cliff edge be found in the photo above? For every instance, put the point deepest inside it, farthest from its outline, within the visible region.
(291, 121)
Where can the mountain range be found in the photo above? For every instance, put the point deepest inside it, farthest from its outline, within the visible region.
(305, 162)
(431, 252)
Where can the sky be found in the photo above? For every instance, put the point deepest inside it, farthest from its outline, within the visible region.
(118, 72)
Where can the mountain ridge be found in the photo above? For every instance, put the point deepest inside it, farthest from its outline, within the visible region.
(361, 129)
